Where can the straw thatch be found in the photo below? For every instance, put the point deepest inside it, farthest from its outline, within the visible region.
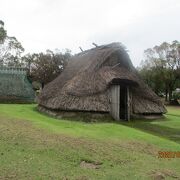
(84, 84)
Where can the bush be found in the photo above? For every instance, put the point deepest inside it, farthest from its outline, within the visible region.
(176, 95)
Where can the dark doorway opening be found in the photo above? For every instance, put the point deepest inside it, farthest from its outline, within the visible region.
(123, 109)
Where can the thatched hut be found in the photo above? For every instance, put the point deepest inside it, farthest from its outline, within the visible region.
(102, 80)
(15, 87)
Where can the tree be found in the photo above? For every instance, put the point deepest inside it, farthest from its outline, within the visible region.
(44, 67)
(152, 77)
(161, 67)
(3, 32)
(28, 61)
(10, 49)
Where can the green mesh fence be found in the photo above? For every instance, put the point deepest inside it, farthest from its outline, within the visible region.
(14, 86)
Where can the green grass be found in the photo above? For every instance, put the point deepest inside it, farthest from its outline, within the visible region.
(169, 127)
(35, 146)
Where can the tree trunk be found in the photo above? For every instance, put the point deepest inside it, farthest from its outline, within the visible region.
(166, 95)
(170, 95)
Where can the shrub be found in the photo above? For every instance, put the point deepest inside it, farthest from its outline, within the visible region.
(176, 95)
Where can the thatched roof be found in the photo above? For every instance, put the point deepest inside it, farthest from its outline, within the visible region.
(84, 84)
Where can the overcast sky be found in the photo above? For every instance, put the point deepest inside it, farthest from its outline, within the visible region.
(51, 24)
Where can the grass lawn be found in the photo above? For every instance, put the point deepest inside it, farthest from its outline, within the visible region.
(35, 146)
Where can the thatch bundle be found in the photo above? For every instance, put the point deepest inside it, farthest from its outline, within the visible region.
(85, 83)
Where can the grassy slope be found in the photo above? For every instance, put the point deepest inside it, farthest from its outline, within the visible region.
(44, 147)
(168, 128)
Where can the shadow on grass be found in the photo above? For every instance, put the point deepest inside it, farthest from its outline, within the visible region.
(155, 129)
(141, 124)
(174, 115)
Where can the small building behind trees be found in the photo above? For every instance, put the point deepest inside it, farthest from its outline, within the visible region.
(15, 86)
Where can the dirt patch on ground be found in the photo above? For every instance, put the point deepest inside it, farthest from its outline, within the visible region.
(143, 147)
(90, 165)
(137, 146)
(162, 174)
(82, 178)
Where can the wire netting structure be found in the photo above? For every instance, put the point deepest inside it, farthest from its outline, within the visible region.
(15, 87)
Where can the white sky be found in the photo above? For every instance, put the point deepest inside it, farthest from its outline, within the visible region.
(51, 24)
